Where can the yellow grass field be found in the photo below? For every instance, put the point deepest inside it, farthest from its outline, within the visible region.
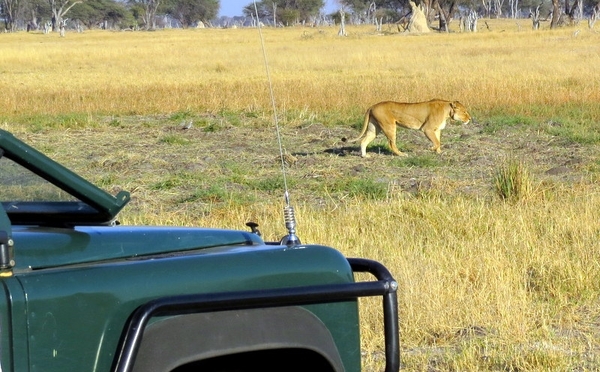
(485, 285)
(213, 69)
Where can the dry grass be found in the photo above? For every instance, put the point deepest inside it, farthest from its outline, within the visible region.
(485, 285)
(170, 71)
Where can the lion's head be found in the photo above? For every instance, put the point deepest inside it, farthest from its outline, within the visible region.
(459, 112)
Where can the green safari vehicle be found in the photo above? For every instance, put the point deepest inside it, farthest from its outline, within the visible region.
(82, 292)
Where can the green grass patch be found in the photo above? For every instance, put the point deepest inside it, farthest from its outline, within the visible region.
(582, 132)
(417, 161)
(106, 180)
(167, 184)
(174, 139)
(497, 123)
(182, 115)
(232, 117)
(350, 118)
(115, 123)
(214, 193)
(367, 188)
(270, 184)
(180, 179)
(40, 123)
(383, 148)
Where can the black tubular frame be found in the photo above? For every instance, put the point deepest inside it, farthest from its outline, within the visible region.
(385, 286)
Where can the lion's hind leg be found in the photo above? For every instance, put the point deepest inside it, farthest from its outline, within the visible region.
(390, 132)
(394, 148)
(370, 135)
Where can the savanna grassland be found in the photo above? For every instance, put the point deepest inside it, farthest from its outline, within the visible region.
(494, 242)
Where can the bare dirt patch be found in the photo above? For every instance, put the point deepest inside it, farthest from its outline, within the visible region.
(161, 159)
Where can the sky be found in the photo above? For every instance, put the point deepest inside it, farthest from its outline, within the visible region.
(232, 8)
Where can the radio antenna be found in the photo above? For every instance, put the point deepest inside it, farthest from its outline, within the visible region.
(288, 211)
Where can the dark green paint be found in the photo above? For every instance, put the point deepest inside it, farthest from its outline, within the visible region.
(75, 314)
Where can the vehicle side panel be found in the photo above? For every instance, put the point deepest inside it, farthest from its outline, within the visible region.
(76, 314)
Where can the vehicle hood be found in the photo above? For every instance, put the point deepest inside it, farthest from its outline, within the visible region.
(42, 247)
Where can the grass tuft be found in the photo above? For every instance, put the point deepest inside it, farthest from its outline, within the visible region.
(512, 181)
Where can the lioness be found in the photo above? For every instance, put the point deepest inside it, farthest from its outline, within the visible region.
(430, 117)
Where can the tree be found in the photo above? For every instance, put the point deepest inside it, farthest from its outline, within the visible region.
(9, 10)
(263, 12)
(102, 13)
(59, 9)
(514, 8)
(342, 31)
(357, 6)
(189, 12)
(290, 11)
(148, 12)
(33, 12)
(445, 9)
(555, 13)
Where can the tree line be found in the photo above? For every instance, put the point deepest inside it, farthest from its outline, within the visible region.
(440, 12)
(51, 15)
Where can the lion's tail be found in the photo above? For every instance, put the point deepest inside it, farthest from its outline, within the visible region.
(364, 129)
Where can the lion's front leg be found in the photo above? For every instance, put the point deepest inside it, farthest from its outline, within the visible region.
(435, 138)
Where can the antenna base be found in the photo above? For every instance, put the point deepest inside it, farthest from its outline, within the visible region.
(290, 240)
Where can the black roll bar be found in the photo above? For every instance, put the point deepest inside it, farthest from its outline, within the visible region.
(385, 286)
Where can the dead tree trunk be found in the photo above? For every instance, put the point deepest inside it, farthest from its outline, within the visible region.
(63, 27)
(371, 13)
(514, 8)
(594, 17)
(378, 24)
(342, 31)
(472, 21)
(443, 17)
(535, 17)
(487, 6)
(555, 14)
(575, 13)
(498, 4)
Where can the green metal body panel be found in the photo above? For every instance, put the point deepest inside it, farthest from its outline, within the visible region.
(82, 284)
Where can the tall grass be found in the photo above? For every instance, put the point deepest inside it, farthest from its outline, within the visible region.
(504, 70)
(484, 285)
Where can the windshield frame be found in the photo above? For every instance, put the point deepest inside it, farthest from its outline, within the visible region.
(92, 205)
